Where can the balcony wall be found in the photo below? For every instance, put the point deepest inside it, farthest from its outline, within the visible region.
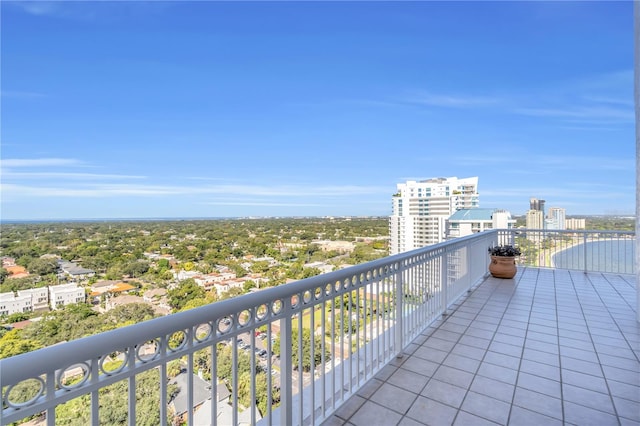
(361, 319)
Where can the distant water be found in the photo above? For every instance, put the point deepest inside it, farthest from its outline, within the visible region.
(602, 256)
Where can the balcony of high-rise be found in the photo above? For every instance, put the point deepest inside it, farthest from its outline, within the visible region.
(423, 337)
(136, 110)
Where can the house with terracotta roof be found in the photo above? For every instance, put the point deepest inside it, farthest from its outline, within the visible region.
(109, 286)
(17, 271)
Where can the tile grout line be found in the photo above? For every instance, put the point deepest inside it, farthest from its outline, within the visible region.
(604, 377)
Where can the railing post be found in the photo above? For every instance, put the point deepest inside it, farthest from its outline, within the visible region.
(399, 311)
(469, 268)
(132, 386)
(584, 244)
(286, 379)
(444, 264)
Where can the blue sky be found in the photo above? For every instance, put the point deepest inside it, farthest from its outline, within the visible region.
(215, 109)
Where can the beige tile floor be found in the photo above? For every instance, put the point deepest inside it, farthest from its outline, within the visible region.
(549, 347)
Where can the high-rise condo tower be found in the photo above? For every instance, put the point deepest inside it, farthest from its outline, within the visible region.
(420, 210)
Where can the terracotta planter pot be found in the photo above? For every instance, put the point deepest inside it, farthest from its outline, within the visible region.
(503, 266)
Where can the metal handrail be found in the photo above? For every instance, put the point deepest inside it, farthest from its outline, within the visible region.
(391, 300)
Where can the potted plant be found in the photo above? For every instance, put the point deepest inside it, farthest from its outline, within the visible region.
(503, 260)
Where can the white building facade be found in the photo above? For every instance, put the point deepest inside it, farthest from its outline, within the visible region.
(556, 218)
(574, 223)
(469, 221)
(12, 304)
(420, 210)
(65, 294)
(39, 297)
(535, 219)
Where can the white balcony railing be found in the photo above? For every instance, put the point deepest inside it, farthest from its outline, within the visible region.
(335, 331)
(588, 251)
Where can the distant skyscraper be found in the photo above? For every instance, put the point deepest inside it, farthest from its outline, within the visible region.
(535, 219)
(575, 223)
(536, 204)
(420, 210)
(556, 218)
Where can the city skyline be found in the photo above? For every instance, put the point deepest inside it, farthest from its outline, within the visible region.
(217, 109)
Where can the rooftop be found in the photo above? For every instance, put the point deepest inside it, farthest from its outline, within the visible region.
(551, 346)
(473, 214)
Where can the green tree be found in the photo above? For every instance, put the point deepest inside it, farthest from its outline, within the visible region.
(12, 344)
(238, 270)
(136, 268)
(260, 267)
(40, 266)
(130, 313)
(163, 264)
(248, 285)
(113, 400)
(185, 291)
(231, 293)
(69, 323)
(174, 368)
(306, 350)
(3, 274)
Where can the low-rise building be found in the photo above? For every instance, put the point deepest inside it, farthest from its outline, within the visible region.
(110, 286)
(322, 266)
(201, 392)
(8, 261)
(75, 271)
(39, 297)
(469, 221)
(574, 223)
(154, 294)
(65, 294)
(113, 302)
(208, 281)
(184, 275)
(339, 246)
(12, 304)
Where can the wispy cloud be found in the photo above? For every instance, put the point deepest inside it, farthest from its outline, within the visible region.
(603, 99)
(628, 102)
(260, 203)
(583, 112)
(33, 177)
(539, 162)
(89, 10)
(608, 81)
(74, 9)
(556, 193)
(39, 162)
(453, 101)
(207, 178)
(66, 175)
(38, 8)
(110, 190)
